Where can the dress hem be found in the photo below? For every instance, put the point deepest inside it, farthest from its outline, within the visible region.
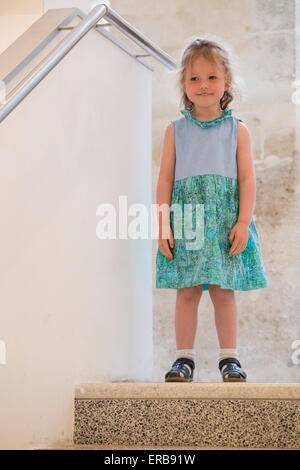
(258, 286)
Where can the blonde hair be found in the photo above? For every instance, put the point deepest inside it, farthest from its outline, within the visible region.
(213, 51)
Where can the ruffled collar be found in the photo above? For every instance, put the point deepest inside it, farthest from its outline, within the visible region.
(225, 114)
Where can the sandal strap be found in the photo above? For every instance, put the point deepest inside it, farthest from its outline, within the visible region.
(187, 360)
(179, 366)
(233, 365)
(229, 360)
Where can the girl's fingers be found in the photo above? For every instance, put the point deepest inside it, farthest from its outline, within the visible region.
(171, 239)
(238, 250)
(168, 254)
(234, 249)
(164, 248)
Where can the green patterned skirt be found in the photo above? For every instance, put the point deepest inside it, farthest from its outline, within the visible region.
(205, 258)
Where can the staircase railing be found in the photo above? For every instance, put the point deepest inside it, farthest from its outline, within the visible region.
(85, 25)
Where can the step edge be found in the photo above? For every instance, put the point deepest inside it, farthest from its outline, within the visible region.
(204, 390)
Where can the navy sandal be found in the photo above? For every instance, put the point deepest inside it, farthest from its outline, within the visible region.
(233, 372)
(179, 372)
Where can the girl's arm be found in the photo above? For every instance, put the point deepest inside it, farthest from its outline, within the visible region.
(246, 176)
(166, 179)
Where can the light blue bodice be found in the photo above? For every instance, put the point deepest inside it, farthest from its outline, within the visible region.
(205, 147)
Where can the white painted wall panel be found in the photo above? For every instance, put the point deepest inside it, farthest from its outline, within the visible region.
(74, 309)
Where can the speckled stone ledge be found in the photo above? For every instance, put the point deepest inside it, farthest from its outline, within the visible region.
(220, 415)
(187, 390)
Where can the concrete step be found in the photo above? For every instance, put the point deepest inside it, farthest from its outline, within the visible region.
(190, 415)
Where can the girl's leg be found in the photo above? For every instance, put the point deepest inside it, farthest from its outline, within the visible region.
(186, 315)
(225, 315)
(227, 328)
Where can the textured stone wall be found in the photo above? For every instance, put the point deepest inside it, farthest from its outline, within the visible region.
(263, 36)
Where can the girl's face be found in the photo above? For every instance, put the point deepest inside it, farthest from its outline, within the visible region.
(204, 83)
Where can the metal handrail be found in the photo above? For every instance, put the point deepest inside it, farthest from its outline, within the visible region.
(139, 38)
(88, 22)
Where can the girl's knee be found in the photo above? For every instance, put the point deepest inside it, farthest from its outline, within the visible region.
(190, 292)
(216, 291)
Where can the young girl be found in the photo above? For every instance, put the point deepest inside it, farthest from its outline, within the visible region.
(207, 161)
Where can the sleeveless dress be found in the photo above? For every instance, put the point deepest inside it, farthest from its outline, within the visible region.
(206, 181)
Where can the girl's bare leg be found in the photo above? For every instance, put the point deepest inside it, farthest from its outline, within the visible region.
(225, 315)
(186, 316)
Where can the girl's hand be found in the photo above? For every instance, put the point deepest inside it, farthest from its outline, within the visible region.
(238, 238)
(166, 243)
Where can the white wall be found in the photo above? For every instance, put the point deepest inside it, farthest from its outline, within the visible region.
(84, 5)
(16, 17)
(11, 27)
(74, 309)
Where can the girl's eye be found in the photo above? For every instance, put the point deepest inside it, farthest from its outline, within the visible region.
(209, 77)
